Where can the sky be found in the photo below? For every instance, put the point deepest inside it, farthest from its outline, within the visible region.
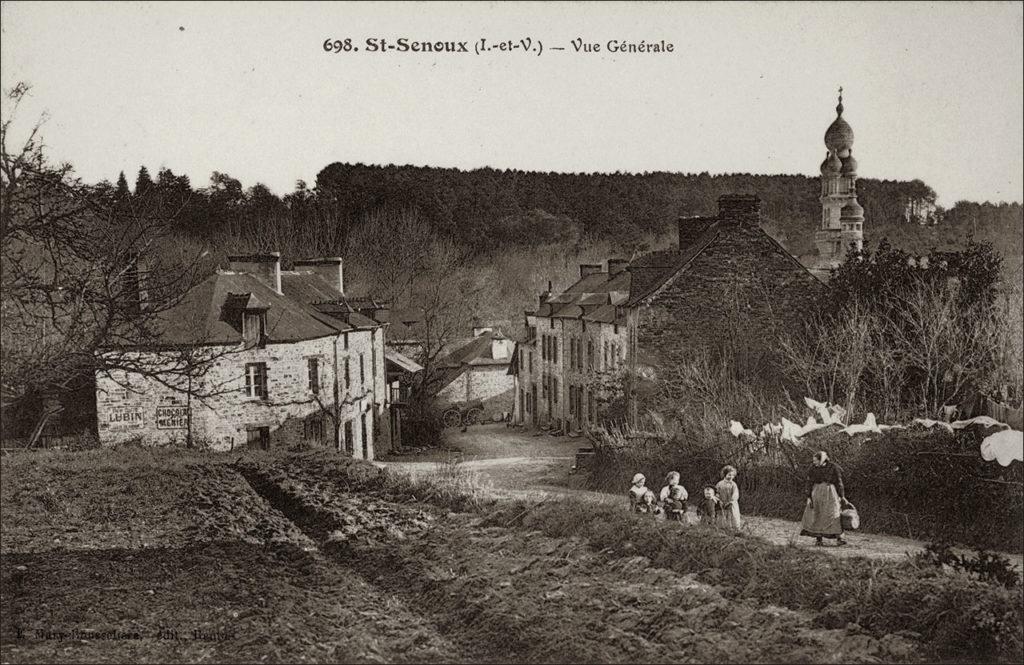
(933, 91)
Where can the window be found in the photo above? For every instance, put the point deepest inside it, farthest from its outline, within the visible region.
(572, 353)
(348, 375)
(544, 386)
(313, 370)
(605, 365)
(258, 437)
(579, 354)
(256, 380)
(554, 389)
(543, 347)
(590, 354)
(530, 359)
(313, 428)
(592, 406)
(364, 434)
(346, 341)
(554, 349)
(362, 370)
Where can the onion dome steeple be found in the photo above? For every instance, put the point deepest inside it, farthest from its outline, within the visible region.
(839, 135)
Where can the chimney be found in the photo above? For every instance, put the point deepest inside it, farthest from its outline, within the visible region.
(264, 267)
(589, 269)
(615, 266)
(543, 298)
(744, 209)
(329, 268)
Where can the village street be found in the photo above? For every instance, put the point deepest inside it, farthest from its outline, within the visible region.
(523, 464)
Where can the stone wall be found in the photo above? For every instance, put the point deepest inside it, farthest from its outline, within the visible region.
(491, 384)
(131, 406)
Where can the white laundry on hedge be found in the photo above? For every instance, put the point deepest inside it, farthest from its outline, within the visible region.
(811, 425)
(984, 421)
(869, 425)
(1004, 447)
(736, 428)
(821, 408)
(790, 430)
(927, 422)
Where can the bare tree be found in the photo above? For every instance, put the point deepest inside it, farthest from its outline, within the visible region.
(85, 274)
(949, 346)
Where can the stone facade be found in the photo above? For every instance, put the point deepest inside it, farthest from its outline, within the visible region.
(490, 384)
(563, 369)
(476, 368)
(328, 390)
(727, 283)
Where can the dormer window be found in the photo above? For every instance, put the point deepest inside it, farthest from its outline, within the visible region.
(254, 327)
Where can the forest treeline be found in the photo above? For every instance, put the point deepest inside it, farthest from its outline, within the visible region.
(487, 210)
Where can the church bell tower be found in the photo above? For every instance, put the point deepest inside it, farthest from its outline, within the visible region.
(842, 217)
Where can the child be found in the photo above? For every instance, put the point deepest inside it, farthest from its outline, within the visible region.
(648, 506)
(709, 506)
(636, 492)
(673, 481)
(729, 495)
(675, 504)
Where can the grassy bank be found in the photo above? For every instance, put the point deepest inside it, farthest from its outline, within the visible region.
(958, 616)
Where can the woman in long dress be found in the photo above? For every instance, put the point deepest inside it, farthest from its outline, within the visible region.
(729, 495)
(825, 498)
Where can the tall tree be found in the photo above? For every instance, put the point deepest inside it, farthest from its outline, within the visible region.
(85, 279)
(122, 190)
(143, 182)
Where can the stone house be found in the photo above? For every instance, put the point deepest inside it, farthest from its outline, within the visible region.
(282, 358)
(478, 369)
(726, 283)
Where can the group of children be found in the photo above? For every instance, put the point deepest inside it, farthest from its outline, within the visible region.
(719, 505)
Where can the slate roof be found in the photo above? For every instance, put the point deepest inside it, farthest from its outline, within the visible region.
(308, 308)
(470, 353)
(595, 297)
(401, 362)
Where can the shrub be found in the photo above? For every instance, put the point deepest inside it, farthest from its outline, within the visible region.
(987, 566)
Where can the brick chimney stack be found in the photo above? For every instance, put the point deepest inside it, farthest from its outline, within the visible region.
(329, 268)
(264, 267)
(589, 269)
(615, 266)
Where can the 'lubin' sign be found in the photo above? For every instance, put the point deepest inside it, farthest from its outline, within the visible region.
(125, 418)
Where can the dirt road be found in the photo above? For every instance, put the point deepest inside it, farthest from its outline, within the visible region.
(513, 462)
